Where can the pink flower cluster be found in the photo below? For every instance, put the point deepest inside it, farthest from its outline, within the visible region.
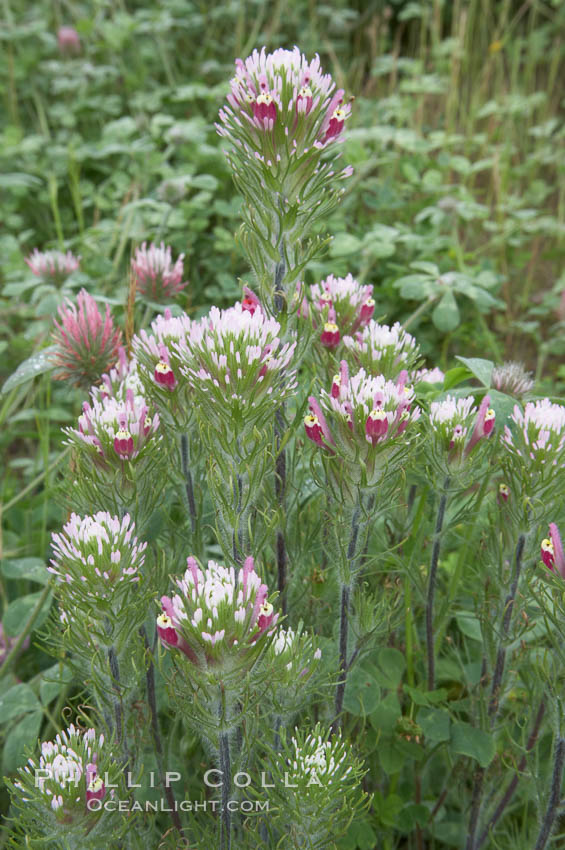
(52, 266)
(96, 557)
(67, 776)
(87, 342)
(343, 304)
(364, 411)
(282, 90)
(383, 350)
(218, 615)
(159, 364)
(235, 360)
(157, 277)
(538, 435)
(451, 419)
(68, 40)
(114, 430)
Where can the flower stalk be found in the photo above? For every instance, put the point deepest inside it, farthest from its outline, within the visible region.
(432, 585)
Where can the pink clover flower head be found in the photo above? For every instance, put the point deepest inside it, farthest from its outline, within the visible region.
(68, 40)
(97, 559)
(157, 277)
(383, 350)
(87, 342)
(52, 266)
(68, 774)
(218, 616)
(537, 435)
(343, 301)
(113, 430)
(236, 363)
(552, 553)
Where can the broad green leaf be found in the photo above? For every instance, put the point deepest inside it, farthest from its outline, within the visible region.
(386, 714)
(360, 836)
(446, 314)
(21, 736)
(469, 741)
(18, 700)
(392, 664)
(37, 364)
(52, 680)
(481, 369)
(344, 244)
(425, 697)
(415, 287)
(17, 613)
(362, 693)
(455, 376)
(435, 723)
(469, 625)
(29, 568)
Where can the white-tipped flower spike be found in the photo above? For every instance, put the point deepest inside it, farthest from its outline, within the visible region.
(282, 117)
(61, 794)
(296, 652)
(363, 419)
(117, 381)
(157, 277)
(113, 431)
(383, 350)
(237, 366)
(159, 366)
(52, 266)
(512, 378)
(281, 103)
(342, 301)
(97, 561)
(536, 439)
(317, 786)
(457, 426)
(221, 617)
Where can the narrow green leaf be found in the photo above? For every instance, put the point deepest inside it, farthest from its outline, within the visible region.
(37, 364)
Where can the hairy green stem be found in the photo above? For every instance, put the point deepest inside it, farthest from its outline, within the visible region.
(432, 586)
(155, 731)
(343, 628)
(189, 486)
(225, 767)
(554, 796)
(495, 690)
(513, 784)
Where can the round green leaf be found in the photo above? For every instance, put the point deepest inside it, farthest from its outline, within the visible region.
(446, 314)
(469, 741)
